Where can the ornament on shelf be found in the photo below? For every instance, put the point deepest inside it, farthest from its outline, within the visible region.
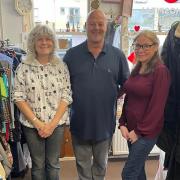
(67, 27)
(7, 42)
(77, 27)
(73, 28)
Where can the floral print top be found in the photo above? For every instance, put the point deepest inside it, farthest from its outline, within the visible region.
(42, 87)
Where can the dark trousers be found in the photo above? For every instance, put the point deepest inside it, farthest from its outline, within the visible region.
(134, 168)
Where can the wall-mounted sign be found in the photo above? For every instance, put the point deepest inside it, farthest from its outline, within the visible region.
(168, 12)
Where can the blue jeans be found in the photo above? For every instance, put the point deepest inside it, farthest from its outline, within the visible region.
(44, 153)
(134, 168)
(91, 158)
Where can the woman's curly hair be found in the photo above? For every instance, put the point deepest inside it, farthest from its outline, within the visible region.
(37, 32)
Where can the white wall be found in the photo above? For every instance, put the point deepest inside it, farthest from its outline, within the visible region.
(12, 22)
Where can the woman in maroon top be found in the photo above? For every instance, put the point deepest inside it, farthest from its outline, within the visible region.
(146, 93)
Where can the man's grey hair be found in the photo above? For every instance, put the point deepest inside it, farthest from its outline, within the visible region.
(37, 32)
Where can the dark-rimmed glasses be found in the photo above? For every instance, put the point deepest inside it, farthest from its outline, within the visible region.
(142, 46)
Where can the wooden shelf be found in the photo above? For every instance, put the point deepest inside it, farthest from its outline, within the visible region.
(157, 32)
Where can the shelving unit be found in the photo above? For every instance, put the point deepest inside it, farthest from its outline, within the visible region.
(67, 40)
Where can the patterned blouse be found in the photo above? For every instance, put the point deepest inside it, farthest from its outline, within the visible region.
(42, 87)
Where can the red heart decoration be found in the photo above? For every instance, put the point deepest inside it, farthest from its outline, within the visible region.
(171, 1)
(136, 28)
(132, 58)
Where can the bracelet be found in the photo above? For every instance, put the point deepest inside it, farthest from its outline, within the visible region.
(34, 119)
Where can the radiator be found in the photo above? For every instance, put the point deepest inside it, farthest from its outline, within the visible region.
(119, 144)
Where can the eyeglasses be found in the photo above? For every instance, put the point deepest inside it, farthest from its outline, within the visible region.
(143, 46)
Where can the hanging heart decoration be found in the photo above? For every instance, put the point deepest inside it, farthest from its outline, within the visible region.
(136, 28)
(171, 1)
(132, 58)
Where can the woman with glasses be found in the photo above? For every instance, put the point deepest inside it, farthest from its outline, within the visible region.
(146, 93)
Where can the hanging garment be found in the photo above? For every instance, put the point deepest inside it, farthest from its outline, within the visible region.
(19, 163)
(5, 162)
(116, 39)
(6, 58)
(126, 8)
(2, 172)
(9, 61)
(110, 32)
(169, 139)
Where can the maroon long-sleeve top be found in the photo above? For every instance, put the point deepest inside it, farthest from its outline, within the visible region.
(143, 110)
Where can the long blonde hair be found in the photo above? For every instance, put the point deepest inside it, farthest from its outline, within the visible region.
(155, 58)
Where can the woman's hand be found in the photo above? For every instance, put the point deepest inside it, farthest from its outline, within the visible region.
(133, 137)
(38, 124)
(124, 132)
(48, 128)
(46, 131)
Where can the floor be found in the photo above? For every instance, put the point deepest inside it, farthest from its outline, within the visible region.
(68, 170)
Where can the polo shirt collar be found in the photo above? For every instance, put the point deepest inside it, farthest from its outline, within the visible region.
(104, 49)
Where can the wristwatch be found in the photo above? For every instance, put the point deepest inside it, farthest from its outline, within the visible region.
(23, 7)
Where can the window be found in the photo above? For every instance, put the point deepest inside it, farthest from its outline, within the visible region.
(74, 16)
(36, 13)
(59, 13)
(142, 17)
(157, 15)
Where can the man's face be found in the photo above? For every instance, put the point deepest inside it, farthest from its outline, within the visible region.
(96, 27)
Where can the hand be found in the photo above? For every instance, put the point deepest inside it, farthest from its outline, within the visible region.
(46, 131)
(133, 137)
(39, 124)
(124, 132)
